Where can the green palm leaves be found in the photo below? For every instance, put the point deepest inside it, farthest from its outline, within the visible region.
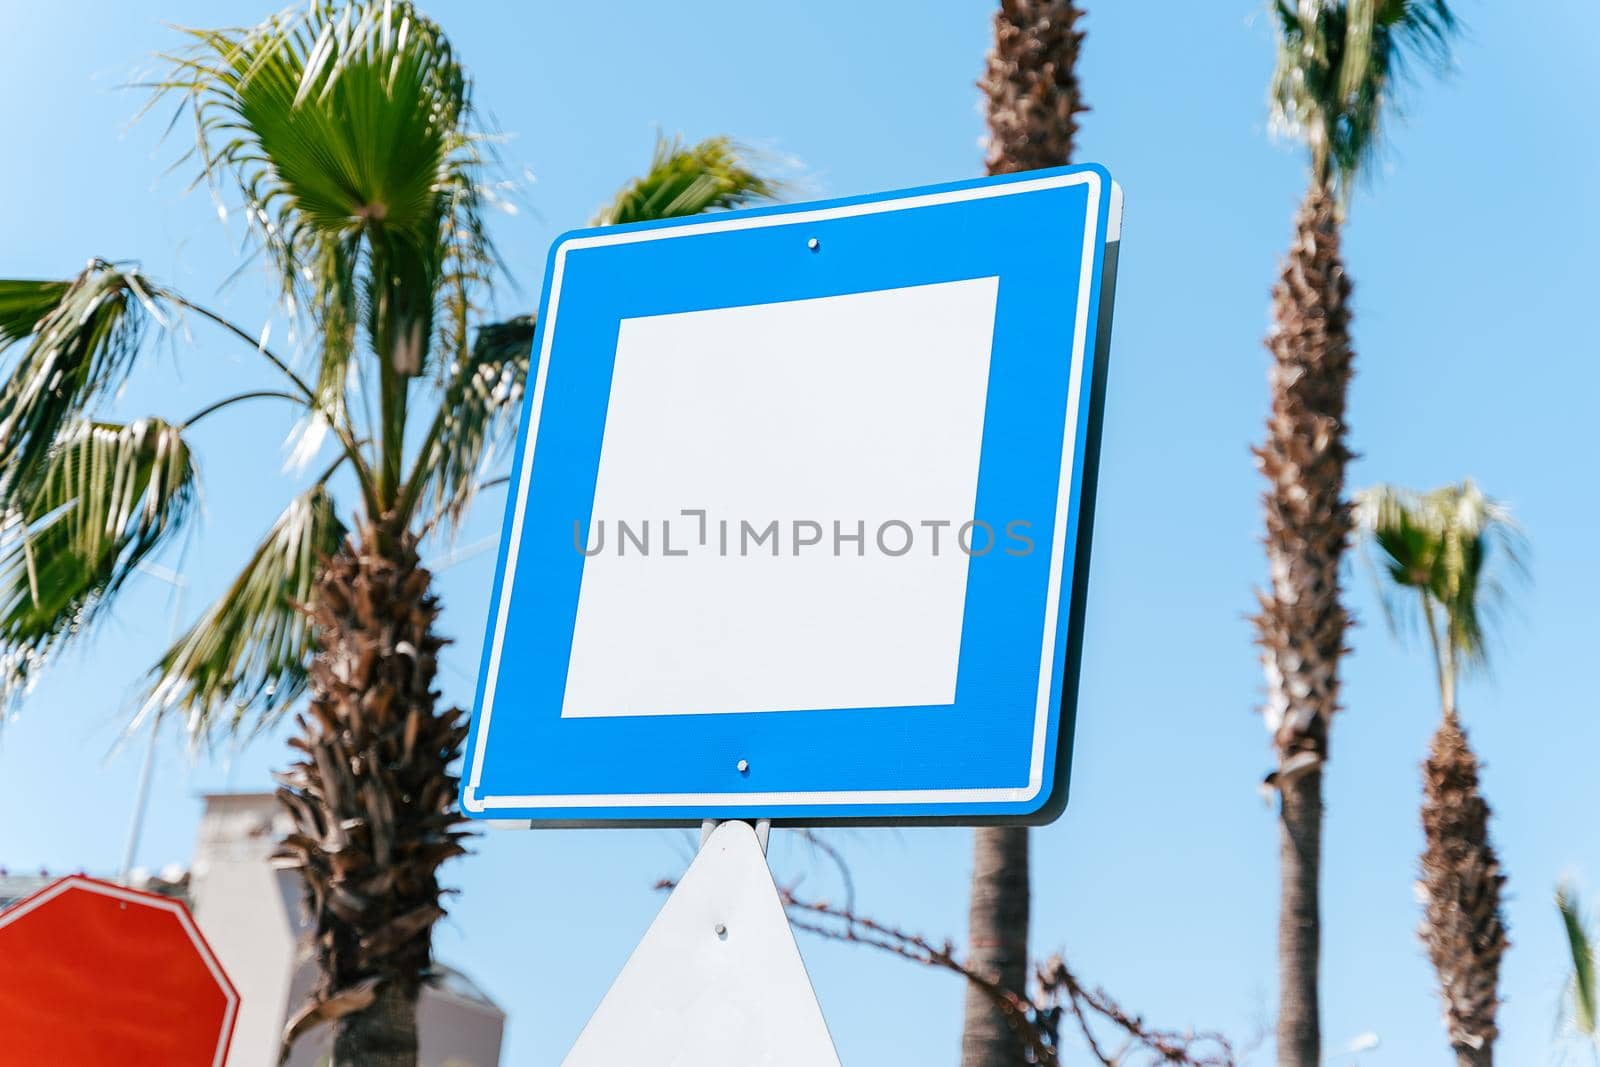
(108, 497)
(1450, 548)
(346, 133)
(474, 422)
(23, 304)
(1338, 61)
(1584, 993)
(245, 658)
(688, 180)
(82, 503)
(82, 336)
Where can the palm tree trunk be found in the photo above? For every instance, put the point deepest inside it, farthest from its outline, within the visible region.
(372, 798)
(1299, 920)
(1463, 926)
(997, 929)
(384, 1034)
(1302, 622)
(1030, 85)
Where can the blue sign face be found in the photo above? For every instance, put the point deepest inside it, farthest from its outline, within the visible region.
(800, 514)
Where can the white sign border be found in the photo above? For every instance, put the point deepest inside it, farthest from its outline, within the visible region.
(473, 802)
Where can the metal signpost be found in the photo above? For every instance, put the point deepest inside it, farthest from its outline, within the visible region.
(798, 532)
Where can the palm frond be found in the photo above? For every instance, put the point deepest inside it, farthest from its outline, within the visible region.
(109, 497)
(1383, 513)
(1585, 1009)
(81, 340)
(1470, 583)
(1338, 63)
(714, 174)
(347, 129)
(476, 420)
(1453, 546)
(23, 303)
(248, 653)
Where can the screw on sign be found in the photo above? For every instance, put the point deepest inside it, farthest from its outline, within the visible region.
(94, 974)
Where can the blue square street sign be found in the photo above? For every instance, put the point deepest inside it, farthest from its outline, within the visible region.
(800, 515)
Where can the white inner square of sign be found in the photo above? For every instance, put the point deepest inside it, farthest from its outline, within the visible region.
(859, 410)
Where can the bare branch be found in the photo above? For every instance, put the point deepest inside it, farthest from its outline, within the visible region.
(1036, 1018)
(835, 857)
(1057, 984)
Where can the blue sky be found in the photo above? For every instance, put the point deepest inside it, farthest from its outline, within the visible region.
(1473, 260)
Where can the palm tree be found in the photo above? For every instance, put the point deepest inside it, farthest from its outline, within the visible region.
(1337, 63)
(347, 131)
(1445, 547)
(1030, 84)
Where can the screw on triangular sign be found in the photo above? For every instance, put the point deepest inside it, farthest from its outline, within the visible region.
(717, 980)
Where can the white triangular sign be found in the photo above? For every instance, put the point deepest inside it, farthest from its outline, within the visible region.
(717, 980)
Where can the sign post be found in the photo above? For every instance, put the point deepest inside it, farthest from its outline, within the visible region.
(800, 518)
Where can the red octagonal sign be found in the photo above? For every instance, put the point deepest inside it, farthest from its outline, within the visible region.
(95, 974)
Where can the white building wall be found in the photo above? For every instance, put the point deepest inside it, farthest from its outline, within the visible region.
(243, 907)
